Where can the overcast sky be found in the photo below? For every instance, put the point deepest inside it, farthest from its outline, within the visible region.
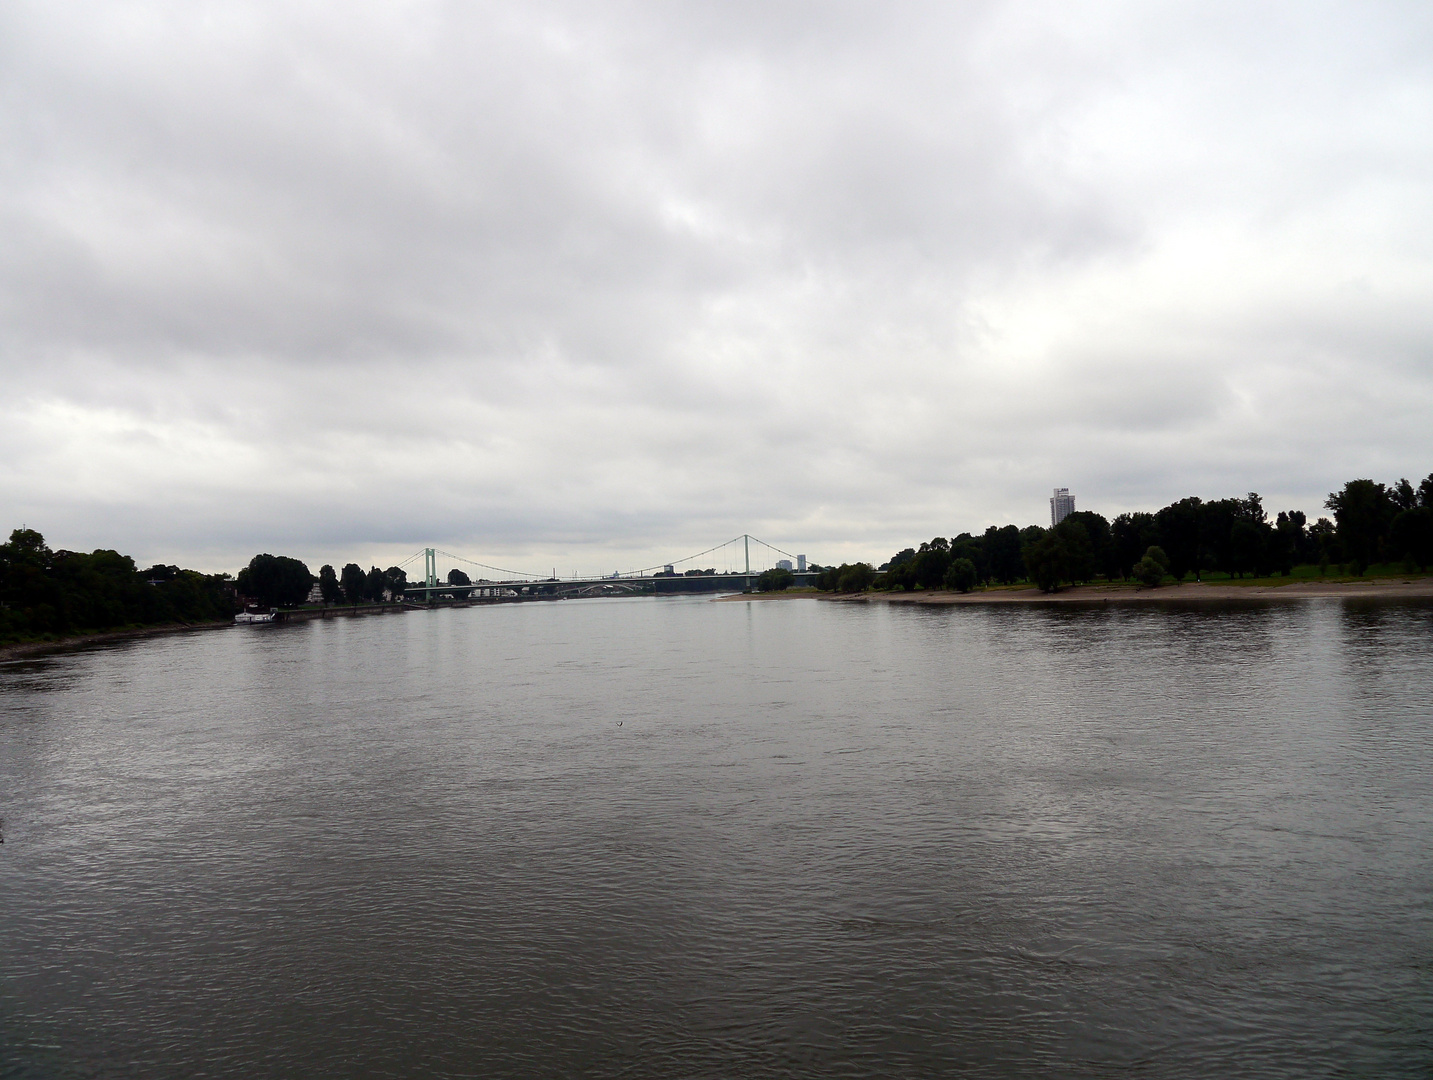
(593, 285)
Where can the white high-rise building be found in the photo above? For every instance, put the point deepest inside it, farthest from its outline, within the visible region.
(1062, 505)
(801, 564)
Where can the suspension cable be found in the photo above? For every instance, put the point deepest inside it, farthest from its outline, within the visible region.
(485, 566)
(628, 573)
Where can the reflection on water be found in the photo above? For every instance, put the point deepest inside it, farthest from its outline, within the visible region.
(682, 838)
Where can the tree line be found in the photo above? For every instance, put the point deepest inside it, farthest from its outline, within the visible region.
(1372, 523)
(281, 581)
(47, 594)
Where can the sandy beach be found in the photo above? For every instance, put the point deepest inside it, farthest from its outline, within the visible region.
(1382, 588)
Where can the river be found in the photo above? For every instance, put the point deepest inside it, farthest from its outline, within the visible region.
(678, 838)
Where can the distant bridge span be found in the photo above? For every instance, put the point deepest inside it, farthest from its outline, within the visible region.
(647, 581)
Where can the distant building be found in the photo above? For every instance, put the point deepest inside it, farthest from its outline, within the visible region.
(783, 564)
(1062, 505)
(801, 564)
(315, 595)
(668, 569)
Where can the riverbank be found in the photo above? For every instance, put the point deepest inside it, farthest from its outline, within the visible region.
(23, 649)
(1191, 591)
(20, 650)
(1188, 591)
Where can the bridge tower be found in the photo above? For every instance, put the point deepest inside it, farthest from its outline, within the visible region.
(746, 545)
(430, 568)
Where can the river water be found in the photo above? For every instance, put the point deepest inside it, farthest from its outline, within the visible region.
(678, 838)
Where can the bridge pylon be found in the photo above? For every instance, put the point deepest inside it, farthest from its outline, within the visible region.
(430, 568)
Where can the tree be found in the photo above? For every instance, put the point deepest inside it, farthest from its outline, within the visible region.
(354, 582)
(275, 580)
(1079, 551)
(960, 576)
(1246, 547)
(1404, 495)
(775, 580)
(972, 548)
(1290, 542)
(44, 592)
(1179, 530)
(931, 562)
(900, 558)
(1002, 553)
(1362, 513)
(396, 581)
(1324, 539)
(1099, 541)
(1216, 534)
(1150, 570)
(1047, 560)
(374, 585)
(328, 585)
(457, 577)
(1130, 536)
(1411, 536)
(855, 577)
(846, 578)
(900, 576)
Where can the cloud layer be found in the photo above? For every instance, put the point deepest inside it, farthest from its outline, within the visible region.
(587, 284)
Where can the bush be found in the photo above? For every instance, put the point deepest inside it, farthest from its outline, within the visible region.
(960, 576)
(1151, 569)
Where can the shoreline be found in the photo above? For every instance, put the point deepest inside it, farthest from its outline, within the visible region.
(21, 650)
(1186, 592)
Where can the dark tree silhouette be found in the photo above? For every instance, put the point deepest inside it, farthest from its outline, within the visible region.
(776, 580)
(354, 582)
(275, 580)
(960, 576)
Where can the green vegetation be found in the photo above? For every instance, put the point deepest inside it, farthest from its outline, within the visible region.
(777, 580)
(354, 584)
(356, 587)
(960, 576)
(275, 581)
(846, 578)
(1151, 569)
(1389, 526)
(328, 585)
(45, 595)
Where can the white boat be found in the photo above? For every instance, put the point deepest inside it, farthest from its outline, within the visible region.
(245, 617)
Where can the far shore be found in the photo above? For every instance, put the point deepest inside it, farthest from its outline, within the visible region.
(1189, 591)
(1382, 588)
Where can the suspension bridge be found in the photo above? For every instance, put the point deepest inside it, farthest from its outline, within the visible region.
(738, 572)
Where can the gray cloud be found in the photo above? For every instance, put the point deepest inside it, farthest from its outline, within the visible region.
(592, 283)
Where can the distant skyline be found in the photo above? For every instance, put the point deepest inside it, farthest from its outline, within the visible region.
(597, 285)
